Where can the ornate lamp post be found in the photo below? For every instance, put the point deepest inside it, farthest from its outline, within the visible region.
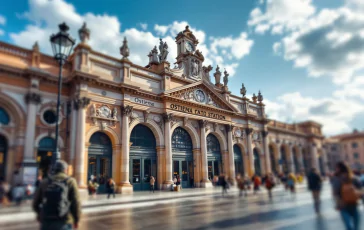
(62, 44)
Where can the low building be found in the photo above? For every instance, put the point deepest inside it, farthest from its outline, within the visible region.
(123, 120)
(348, 147)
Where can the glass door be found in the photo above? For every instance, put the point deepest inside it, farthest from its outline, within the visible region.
(185, 179)
(100, 168)
(210, 171)
(136, 174)
(147, 172)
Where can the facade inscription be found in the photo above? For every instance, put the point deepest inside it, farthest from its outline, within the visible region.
(199, 112)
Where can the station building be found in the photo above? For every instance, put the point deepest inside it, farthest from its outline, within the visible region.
(129, 121)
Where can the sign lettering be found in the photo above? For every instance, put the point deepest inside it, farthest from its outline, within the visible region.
(198, 112)
(143, 102)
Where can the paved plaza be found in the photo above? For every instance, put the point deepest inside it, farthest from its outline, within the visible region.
(211, 211)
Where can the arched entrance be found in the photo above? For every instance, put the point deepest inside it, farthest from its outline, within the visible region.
(295, 160)
(182, 157)
(238, 160)
(46, 147)
(213, 156)
(257, 165)
(273, 160)
(284, 161)
(3, 154)
(100, 159)
(143, 157)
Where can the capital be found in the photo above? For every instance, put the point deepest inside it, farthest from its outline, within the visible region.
(248, 131)
(229, 127)
(202, 123)
(81, 102)
(33, 98)
(126, 110)
(264, 134)
(167, 117)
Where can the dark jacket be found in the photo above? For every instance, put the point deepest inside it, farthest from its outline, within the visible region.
(314, 182)
(73, 196)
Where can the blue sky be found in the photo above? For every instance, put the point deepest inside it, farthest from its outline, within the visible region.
(307, 57)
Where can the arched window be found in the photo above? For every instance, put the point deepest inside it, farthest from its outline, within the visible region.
(181, 140)
(273, 161)
(237, 152)
(4, 117)
(100, 144)
(142, 137)
(47, 144)
(213, 144)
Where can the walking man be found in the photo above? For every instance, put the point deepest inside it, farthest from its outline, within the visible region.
(56, 201)
(110, 188)
(314, 185)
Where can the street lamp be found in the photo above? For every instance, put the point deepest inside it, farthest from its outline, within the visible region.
(62, 44)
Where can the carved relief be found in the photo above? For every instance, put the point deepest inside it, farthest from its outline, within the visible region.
(81, 103)
(103, 115)
(33, 98)
(127, 110)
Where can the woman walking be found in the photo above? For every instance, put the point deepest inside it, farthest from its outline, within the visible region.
(346, 190)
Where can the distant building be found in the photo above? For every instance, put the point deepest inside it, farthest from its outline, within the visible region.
(348, 147)
(131, 121)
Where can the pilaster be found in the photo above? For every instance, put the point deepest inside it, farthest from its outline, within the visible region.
(161, 175)
(197, 166)
(205, 183)
(266, 152)
(251, 168)
(167, 117)
(231, 165)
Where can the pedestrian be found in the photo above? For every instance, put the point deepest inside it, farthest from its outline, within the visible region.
(38, 181)
(291, 181)
(223, 183)
(269, 184)
(347, 193)
(56, 200)
(314, 185)
(92, 186)
(257, 182)
(152, 181)
(110, 187)
(18, 194)
(240, 184)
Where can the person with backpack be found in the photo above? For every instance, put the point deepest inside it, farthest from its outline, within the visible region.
(257, 182)
(346, 191)
(314, 185)
(56, 201)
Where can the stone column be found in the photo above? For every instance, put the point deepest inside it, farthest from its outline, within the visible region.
(168, 150)
(291, 160)
(72, 139)
(125, 186)
(80, 104)
(197, 167)
(251, 168)
(268, 168)
(314, 157)
(279, 160)
(32, 99)
(230, 152)
(204, 164)
(160, 166)
(116, 152)
(325, 160)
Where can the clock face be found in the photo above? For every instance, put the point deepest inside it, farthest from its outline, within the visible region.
(238, 133)
(189, 46)
(200, 96)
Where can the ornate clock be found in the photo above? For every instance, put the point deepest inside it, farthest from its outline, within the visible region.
(200, 96)
(189, 46)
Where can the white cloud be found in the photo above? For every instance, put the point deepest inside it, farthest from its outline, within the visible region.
(161, 30)
(2, 20)
(352, 90)
(279, 14)
(2, 32)
(144, 26)
(107, 34)
(239, 47)
(277, 48)
(333, 113)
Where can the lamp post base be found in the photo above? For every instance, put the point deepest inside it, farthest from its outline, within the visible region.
(28, 172)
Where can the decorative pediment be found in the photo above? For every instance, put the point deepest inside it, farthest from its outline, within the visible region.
(202, 93)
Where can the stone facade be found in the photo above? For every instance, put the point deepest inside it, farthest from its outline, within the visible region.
(114, 96)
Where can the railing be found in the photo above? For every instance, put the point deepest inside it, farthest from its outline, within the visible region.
(13, 50)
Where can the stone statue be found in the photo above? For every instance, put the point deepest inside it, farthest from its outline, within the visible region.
(114, 113)
(226, 78)
(217, 76)
(163, 50)
(93, 110)
(124, 49)
(194, 68)
(153, 56)
(206, 71)
(84, 33)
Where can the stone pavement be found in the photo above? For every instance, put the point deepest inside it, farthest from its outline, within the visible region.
(89, 205)
(285, 211)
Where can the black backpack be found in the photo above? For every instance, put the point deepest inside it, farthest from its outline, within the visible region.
(55, 201)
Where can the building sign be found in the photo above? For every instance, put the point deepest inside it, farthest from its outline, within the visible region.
(143, 102)
(198, 112)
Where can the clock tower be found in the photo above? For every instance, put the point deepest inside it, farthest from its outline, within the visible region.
(188, 57)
